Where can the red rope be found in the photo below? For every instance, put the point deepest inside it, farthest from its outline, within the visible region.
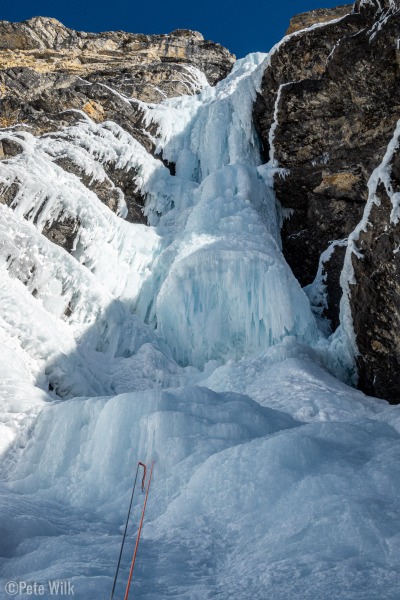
(127, 522)
(138, 535)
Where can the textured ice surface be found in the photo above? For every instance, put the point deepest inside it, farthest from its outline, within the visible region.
(228, 274)
(246, 502)
(191, 343)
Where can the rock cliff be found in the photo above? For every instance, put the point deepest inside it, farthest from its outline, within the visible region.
(320, 15)
(327, 110)
(47, 69)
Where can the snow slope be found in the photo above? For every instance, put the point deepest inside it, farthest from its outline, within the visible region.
(188, 342)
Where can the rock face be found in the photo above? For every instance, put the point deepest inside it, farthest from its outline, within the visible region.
(320, 15)
(47, 46)
(46, 69)
(329, 104)
(294, 110)
(375, 297)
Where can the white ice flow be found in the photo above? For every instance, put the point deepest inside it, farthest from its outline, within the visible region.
(188, 342)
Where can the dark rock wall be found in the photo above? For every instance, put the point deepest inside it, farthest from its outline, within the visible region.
(375, 298)
(336, 110)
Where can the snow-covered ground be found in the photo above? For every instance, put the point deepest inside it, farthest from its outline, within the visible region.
(190, 343)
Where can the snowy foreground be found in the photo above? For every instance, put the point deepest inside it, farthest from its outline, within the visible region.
(190, 343)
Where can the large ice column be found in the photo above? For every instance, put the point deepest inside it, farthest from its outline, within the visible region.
(227, 303)
(224, 288)
(229, 290)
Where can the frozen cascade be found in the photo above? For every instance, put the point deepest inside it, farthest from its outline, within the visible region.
(218, 225)
(273, 478)
(225, 270)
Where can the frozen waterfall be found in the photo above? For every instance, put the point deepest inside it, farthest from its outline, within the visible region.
(188, 341)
